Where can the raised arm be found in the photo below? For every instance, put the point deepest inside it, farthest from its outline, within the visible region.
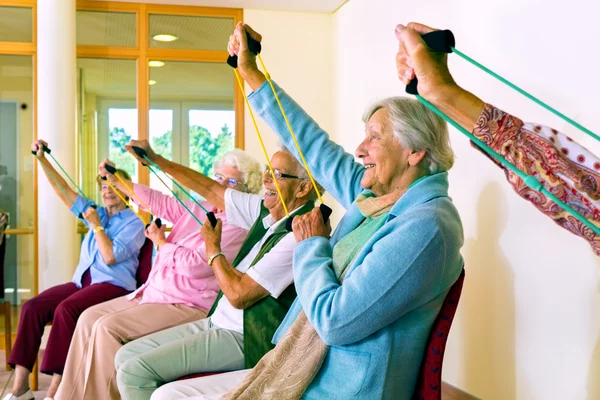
(59, 185)
(160, 204)
(206, 187)
(332, 166)
(436, 85)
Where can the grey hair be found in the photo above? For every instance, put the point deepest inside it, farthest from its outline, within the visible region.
(301, 172)
(246, 164)
(417, 128)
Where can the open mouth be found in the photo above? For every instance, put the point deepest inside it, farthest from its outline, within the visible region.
(369, 166)
(270, 192)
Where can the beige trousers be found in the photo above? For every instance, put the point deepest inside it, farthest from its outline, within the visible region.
(101, 331)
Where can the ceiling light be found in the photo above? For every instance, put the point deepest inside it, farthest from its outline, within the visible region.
(165, 37)
(155, 63)
(151, 82)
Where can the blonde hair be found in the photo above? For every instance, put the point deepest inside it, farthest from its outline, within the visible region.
(122, 173)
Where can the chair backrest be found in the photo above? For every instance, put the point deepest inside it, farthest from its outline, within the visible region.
(429, 384)
(145, 263)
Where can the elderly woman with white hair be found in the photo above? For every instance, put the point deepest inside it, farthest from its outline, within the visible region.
(367, 296)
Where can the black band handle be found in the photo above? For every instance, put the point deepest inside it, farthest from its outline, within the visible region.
(157, 221)
(141, 153)
(439, 42)
(325, 212)
(111, 170)
(80, 216)
(46, 150)
(253, 45)
(211, 217)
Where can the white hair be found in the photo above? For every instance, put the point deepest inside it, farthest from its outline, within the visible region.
(301, 172)
(416, 127)
(246, 164)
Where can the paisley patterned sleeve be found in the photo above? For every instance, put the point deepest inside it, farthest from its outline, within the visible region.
(565, 168)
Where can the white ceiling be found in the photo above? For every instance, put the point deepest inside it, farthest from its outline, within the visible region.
(324, 6)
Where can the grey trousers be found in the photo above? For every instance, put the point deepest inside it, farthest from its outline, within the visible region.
(145, 364)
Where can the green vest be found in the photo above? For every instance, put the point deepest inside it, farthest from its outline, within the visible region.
(262, 319)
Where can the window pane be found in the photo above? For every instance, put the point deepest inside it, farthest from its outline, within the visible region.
(191, 33)
(192, 118)
(16, 172)
(211, 134)
(107, 116)
(16, 24)
(99, 28)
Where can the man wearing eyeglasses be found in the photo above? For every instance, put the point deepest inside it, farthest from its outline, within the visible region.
(256, 288)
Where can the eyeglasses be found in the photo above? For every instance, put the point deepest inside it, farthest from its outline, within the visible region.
(231, 182)
(279, 174)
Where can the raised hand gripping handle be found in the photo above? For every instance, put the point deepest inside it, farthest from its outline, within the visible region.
(253, 45)
(325, 212)
(111, 170)
(438, 41)
(46, 150)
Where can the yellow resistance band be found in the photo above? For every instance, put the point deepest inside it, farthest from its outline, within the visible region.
(136, 196)
(310, 176)
(241, 84)
(122, 198)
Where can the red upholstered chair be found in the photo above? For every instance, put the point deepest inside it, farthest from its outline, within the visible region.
(429, 384)
(145, 263)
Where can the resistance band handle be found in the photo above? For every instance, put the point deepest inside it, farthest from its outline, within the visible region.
(439, 42)
(141, 153)
(111, 170)
(212, 219)
(158, 223)
(46, 150)
(253, 45)
(80, 216)
(325, 212)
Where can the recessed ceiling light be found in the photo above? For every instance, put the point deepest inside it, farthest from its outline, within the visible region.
(165, 37)
(151, 82)
(155, 63)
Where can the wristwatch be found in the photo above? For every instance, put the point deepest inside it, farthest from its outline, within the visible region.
(212, 258)
(98, 229)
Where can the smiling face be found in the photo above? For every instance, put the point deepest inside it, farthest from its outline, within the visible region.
(293, 190)
(384, 157)
(109, 197)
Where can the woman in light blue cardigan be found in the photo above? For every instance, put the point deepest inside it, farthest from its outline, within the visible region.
(372, 291)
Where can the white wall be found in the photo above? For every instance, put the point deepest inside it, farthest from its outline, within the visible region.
(528, 325)
(307, 77)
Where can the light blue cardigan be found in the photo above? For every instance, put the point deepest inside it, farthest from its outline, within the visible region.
(378, 321)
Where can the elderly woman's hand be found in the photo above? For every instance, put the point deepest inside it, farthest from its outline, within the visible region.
(143, 144)
(156, 234)
(309, 225)
(212, 236)
(104, 172)
(238, 45)
(38, 147)
(415, 59)
(92, 217)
